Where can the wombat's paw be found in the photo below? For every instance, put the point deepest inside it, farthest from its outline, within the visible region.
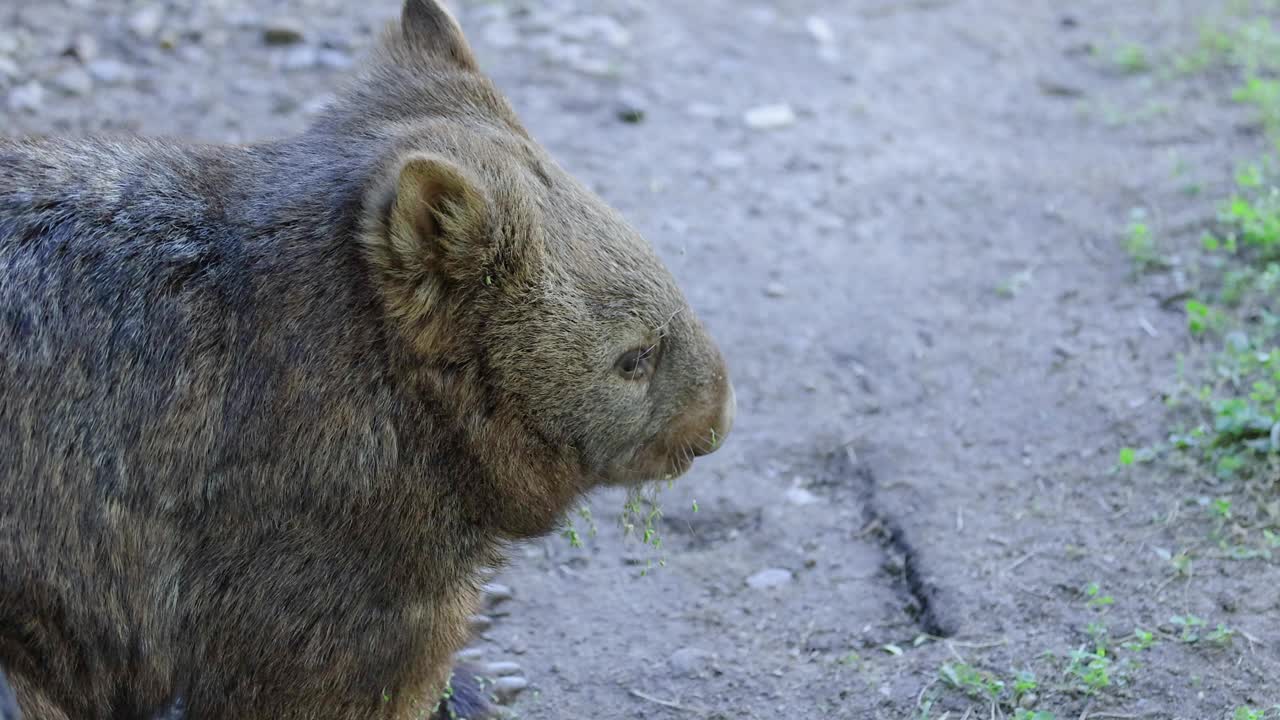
(477, 691)
(8, 702)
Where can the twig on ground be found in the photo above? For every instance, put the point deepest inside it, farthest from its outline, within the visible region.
(664, 703)
(1018, 563)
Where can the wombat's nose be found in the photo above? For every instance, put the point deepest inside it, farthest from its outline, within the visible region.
(730, 409)
(723, 423)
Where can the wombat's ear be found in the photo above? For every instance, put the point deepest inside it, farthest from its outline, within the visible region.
(427, 234)
(438, 220)
(429, 29)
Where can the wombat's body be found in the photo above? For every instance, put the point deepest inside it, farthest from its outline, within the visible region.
(264, 411)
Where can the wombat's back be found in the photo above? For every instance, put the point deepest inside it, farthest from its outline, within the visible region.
(189, 407)
(149, 322)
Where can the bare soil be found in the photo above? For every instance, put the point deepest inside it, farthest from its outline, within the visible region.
(937, 341)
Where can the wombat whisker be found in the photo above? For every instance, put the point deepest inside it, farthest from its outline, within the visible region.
(662, 328)
(688, 452)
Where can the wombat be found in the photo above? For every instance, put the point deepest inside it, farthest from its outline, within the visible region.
(266, 410)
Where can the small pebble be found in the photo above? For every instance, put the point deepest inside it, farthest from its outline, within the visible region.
(8, 69)
(800, 496)
(9, 43)
(502, 668)
(109, 71)
(146, 22)
(820, 30)
(690, 662)
(317, 104)
(728, 160)
(769, 579)
(73, 80)
(587, 27)
(506, 688)
(283, 31)
(28, 97)
(495, 593)
(631, 114)
(770, 117)
(334, 59)
(301, 57)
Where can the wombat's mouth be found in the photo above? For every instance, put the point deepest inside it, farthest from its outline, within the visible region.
(653, 463)
(671, 453)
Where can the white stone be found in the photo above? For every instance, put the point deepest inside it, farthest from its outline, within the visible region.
(770, 579)
(770, 117)
(146, 22)
(73, 80)
(800, 496)
(28, 97)
(820, 30)
(8, 69)
(690, 662)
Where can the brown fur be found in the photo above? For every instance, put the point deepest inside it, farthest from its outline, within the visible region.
(265, 410)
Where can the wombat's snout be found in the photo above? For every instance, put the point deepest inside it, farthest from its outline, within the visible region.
(722, 424)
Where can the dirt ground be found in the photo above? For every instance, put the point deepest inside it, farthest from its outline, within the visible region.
(937, 342)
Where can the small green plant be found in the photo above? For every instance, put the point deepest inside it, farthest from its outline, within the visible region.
(1199, 317)
(1024, 683)
(1092, 670)
(1141, 640)
(989, 687)
(1229, 413)
(1128, 456)
(1132, 59)
(1190, 627)
(1222, 636)
(1096, 598)
(975, 683)
(1141, 244)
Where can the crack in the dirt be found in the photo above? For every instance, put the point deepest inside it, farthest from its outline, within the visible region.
(901, 559)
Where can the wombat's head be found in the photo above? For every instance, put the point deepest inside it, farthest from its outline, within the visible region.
(500, 267)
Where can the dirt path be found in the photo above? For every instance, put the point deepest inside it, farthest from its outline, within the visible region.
(936, 340)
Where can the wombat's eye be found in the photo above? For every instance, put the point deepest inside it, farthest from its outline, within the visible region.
(637, 363)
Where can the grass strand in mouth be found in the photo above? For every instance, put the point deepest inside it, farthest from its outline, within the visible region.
(640, 519)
